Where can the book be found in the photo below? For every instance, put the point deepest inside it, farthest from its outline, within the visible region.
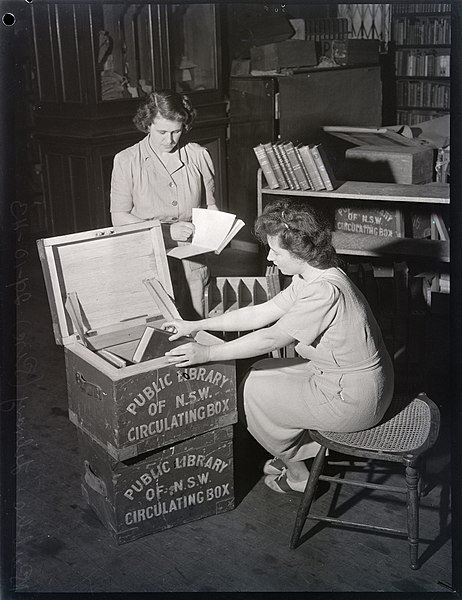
(299, 172)
(114, 359)
(311, 167)
(213, 230)
(300, 160)
(293, 180)
(384, 278)
(282, 164)
(370, 287)
(154, 343)
(265, 165)
(401, 310)
(275, 166)
(324, 166)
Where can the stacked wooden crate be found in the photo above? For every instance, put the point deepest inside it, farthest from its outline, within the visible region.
(155, 440)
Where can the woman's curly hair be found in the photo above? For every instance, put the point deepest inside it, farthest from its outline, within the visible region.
(167, 104)
(301, 229)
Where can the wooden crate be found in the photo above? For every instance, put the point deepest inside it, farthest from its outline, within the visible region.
(104, 288)
(283, 55)
(376, 220)
(391, 164)
(158, 490)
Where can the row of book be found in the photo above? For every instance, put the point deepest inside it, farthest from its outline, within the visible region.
(422, 63)
(334, 28)
(414, 117)
(423, 94)
(286, 165)
(422, 30)
(421, 7)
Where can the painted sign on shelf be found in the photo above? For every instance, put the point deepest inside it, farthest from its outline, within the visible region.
(381, 222)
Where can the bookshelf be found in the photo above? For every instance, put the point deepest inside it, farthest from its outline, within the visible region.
(421, 33)
(391, 194)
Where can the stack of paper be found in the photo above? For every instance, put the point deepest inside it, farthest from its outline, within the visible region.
(213, 230)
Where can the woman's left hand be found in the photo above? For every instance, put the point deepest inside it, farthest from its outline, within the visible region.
(181, 231)
(191, 353)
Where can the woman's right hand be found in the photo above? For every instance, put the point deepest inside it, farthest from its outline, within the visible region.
(181, 231)
(180, 328)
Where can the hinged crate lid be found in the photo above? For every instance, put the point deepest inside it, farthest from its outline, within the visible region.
(106, 269)
(373, 136)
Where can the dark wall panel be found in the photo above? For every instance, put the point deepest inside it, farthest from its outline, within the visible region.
(47, 80)
(58, 193)
(335, 97)
(68, 53)
(80, 196)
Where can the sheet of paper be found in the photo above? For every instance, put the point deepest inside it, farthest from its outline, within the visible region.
(187, 251)
(239, 224)
(213, 230)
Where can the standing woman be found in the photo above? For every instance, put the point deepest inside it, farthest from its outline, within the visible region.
(161, 178)
(343, 380)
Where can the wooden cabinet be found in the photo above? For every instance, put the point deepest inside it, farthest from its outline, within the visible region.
(266, 109)
(380, 195)
(93, 62)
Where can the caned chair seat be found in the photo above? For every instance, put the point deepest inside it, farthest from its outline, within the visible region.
(407, 431)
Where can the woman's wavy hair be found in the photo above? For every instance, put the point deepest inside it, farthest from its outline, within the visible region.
(167, 104)
(301, 229)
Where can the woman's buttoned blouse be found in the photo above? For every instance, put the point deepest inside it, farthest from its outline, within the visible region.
(147, 188)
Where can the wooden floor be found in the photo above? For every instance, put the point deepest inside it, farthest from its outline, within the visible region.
(62, 547)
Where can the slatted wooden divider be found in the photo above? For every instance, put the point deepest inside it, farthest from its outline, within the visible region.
(225, 294)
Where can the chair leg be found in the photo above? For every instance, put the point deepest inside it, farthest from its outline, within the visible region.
(421, 487)
(308, 496)
(412, 480)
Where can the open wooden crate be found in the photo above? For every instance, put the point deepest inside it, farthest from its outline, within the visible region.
(105, 287)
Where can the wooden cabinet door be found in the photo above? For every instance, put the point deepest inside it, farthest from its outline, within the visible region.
(252, 120)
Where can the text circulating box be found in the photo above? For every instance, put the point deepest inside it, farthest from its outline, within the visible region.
(158, 490)
(143, 412)
(381, 222)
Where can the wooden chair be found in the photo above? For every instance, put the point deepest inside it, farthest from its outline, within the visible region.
(408, 430)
